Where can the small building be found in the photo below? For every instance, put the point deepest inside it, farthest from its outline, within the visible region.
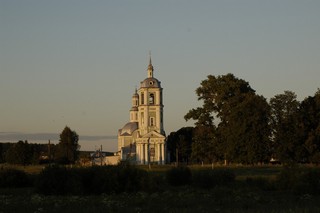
(100, 158)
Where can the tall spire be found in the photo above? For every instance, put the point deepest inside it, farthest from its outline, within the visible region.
(150, 62)
(150, 67)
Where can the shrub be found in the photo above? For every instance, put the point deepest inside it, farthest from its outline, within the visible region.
(287, 178)
(157, 182)
(132, 179)
(308, 183)
(212, 178)
(102, 180)
(178, 176)
(13, 178)
(56, 180)
(263, 183)
(92, 180)
(299, 181)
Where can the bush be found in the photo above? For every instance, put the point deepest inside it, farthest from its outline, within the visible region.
(98, 180)
(132, 179)
(157, 182)
(308, 183)
(178, 176)
(299, 181)
(263, 183)
(287, 178)
(212, 178)
(56, 180)
(92, 180)
(13, 178)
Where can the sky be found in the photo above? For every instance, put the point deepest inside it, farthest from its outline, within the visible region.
(77, 63)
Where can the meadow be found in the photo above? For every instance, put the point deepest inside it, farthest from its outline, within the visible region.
(221, 189)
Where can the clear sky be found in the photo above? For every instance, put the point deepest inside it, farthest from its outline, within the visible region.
(77, 63)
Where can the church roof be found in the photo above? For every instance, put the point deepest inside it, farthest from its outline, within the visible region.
(129, 128)
(150, 82)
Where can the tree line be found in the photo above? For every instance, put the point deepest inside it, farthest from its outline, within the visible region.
(236, 125)
(24, 153)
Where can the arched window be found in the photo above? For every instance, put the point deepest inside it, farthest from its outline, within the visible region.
(152, 121)
(151, 98)
(142, 98)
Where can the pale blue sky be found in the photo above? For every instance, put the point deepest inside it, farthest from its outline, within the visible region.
(77, 63)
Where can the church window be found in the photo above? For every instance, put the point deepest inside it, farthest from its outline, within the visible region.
(151, 121)
(142, 98)
(142, 117)
(151, 98)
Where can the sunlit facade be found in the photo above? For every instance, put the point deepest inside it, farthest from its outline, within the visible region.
(142, 140)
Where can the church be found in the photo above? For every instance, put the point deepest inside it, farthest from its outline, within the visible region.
(142, 140)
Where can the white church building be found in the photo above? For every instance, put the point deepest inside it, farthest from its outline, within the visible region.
(142, 140)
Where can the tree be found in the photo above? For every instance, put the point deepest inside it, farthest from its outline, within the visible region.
(68, 147)
(19, 153)
(309, 124)
(242, 131)
(180, 142)
(247, 131)
(285, 130)
(206, 147)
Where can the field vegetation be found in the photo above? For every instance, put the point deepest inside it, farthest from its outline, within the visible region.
(126, 188)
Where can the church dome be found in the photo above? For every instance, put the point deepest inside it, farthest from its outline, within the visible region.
(129, 128)
(150, 82)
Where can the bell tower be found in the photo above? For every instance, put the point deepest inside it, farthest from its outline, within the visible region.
(134, 108)
(151, 104)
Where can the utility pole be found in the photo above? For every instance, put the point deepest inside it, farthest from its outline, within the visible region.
(177, 157)
(49, 152)
(101, 155)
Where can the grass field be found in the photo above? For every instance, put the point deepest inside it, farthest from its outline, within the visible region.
(247, 194)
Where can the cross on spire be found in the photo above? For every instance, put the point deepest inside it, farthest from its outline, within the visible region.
(150, 67)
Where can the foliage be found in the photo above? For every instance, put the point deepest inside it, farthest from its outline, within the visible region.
(299, 180)
(178, 176)
(19, 153)
(206, 147)
(243, 195)
(211, 178)
(260, 182)
(24, 153)
(309, 112)
(12, 178)
(67, 151)
(57, 180)
(246, 133)
(242, 134)
(284, 123)
(180, 142)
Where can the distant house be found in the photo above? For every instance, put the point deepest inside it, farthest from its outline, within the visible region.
(100, 158)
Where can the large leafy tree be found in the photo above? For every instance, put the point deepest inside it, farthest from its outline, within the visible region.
(310, 126)
(205, 147)
(68, 147)
(247, 131)
(287, 145)
(242, 116)
(180, 143)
